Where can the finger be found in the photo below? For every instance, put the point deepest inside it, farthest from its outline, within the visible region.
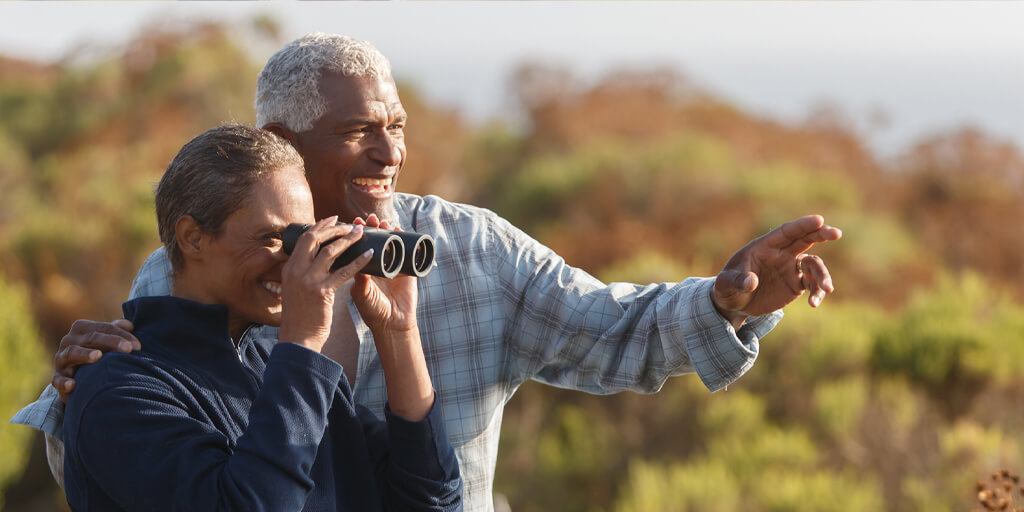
(128, 326)
(100, 335)
(796, 236)
(338, 277)
(103, 337)
(803, 243)
(816, 279)
(328, 253)
(68, 359)
(361, 284)
(309, 242)
(815, 267)
(373, 221)
(359, 220)
(63, 385)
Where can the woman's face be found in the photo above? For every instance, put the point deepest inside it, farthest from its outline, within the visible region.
(241, 268)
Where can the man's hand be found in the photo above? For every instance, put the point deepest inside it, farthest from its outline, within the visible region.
(85, 343)
(771, 271)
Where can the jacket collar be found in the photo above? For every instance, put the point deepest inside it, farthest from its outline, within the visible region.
(182, 329)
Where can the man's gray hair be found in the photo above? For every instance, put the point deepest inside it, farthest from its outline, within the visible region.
(213, 175)
(287, 90)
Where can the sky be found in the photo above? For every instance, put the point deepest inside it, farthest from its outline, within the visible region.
(925, 68)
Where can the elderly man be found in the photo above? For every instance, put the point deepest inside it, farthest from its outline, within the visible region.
(499, 308)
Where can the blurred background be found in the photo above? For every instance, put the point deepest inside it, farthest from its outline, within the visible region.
(643, 142)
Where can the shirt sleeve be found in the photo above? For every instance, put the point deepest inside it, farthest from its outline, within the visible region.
(154, 277)
(162, 456)
(569, 329)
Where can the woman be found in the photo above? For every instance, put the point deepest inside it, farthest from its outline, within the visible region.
(210, 417)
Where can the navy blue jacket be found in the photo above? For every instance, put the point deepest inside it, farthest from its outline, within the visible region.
(192, 423)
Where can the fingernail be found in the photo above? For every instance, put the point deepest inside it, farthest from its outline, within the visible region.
(368, 253)
(124, 346)
(95, 354)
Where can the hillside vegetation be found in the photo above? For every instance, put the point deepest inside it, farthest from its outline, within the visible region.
(898, 394)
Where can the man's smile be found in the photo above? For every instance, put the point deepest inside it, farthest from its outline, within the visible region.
(373, 186)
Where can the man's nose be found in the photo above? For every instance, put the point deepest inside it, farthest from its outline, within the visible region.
(386, 149)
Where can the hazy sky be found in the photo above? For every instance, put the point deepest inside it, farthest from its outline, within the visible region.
(931, 67)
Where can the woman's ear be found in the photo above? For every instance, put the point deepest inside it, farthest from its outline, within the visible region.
(189, 237)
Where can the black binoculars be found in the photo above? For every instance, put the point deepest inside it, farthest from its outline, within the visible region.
(394, 252)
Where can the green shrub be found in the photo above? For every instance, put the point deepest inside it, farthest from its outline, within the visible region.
(819, 491)
(956, 338)
(24, 369)
(704, 486)
(838, 405)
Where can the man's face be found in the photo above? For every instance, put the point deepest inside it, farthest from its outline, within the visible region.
(355, 151)
(241, 266)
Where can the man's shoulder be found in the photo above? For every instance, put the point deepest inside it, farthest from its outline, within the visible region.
(154, 277)
(412, 203)
(416, 211)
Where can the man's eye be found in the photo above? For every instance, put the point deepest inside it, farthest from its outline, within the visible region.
(273, 238)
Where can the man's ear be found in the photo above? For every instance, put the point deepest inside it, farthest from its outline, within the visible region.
(282, 131)
(189, 237)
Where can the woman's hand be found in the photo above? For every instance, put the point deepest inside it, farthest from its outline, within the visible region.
(308, 285)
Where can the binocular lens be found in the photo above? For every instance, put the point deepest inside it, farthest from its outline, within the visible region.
(391, 260)
(423, 257)
(388, 251)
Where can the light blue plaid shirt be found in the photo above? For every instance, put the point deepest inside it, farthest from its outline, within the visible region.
(498, 309)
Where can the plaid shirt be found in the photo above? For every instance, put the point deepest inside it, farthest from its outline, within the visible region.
(498, 309)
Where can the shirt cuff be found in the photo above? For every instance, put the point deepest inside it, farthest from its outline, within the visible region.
(720, 354)
(45, 414)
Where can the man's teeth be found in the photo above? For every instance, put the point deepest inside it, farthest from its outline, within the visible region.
(273, 287)
(372, 182)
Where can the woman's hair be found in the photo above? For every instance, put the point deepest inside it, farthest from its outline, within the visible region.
(212, 175)
(288, 87)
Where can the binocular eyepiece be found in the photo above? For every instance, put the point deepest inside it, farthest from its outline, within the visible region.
(390, 250)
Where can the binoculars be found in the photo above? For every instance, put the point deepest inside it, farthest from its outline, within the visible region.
(394, 252)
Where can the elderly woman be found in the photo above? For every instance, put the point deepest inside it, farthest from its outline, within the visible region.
(210, 417)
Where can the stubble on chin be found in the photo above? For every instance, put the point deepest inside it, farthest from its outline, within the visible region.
(387, 212)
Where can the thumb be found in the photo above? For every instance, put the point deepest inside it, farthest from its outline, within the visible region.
(731, 286)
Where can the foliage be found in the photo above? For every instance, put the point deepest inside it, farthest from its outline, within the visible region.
(897, 394)
(24, 367)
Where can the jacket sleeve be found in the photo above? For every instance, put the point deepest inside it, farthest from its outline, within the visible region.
(414, 462)
(162, 458)
(569, 329)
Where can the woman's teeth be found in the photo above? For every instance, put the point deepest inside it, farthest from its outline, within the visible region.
(272, 287)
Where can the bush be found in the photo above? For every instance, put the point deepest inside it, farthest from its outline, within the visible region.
(24, 369)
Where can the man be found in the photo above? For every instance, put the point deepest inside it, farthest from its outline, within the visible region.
(499, 308)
